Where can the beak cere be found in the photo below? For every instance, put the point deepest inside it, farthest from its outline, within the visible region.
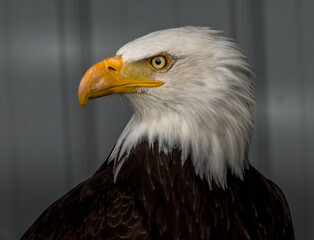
(106, 77)
(98, 79)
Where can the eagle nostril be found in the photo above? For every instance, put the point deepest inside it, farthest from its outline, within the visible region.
(111, 69)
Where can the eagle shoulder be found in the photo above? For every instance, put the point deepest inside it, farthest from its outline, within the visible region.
(95, 209)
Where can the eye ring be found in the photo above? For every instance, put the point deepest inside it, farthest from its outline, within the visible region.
(159, 62)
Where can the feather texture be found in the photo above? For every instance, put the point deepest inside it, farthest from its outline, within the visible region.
(157, 197)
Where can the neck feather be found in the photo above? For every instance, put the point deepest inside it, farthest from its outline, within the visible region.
(216, 143)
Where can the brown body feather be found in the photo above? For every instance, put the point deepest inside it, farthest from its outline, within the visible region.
(155, 197)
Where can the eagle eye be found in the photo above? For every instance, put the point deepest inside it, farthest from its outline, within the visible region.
(159, 62)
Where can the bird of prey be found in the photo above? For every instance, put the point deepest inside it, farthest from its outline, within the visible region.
(180, 169)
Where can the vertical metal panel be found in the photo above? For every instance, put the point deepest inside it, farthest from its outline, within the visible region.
(215, 14)
(305, 63)
(8, 183)
(72, 67)
(61, 53)
(260, 147)
(286, 90)
(34, 105)
(242, 23)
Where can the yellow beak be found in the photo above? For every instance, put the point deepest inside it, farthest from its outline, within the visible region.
(105, 78)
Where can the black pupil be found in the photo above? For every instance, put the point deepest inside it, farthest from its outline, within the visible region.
(157, 61)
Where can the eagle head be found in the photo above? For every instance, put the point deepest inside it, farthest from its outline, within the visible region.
(190, 89)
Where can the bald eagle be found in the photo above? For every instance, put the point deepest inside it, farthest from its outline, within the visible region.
(180, 169)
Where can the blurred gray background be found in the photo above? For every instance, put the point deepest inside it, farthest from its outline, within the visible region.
(48, 144)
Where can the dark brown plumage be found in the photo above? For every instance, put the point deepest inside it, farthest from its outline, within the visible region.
(155, 197)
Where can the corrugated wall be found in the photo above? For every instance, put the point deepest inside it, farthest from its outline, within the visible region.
(48, 144)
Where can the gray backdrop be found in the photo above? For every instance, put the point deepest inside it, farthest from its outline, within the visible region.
(48, 144)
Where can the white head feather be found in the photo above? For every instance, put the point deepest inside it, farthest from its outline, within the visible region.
(204, 107)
